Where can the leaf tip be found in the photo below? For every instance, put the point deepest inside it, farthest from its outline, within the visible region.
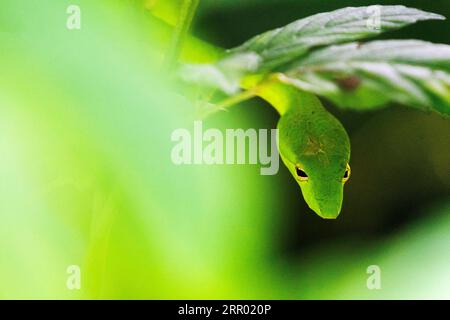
(436, 16)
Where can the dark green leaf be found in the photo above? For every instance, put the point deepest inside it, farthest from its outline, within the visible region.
(288, 43)
(282, 47)
(411, 72)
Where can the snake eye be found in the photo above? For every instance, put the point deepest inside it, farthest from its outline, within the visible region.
(301, 174)
(347, 173)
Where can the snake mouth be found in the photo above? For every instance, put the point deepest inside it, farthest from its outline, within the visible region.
(328, 209)
(328, 216)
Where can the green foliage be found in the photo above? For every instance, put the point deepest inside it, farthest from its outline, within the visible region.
(85, 121)
(288, 43)
(310, 53)
(415, 73)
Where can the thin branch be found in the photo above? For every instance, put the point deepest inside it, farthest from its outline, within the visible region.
(185, 19)
(229, 102)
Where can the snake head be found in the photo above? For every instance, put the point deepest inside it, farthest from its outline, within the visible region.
(316, 149)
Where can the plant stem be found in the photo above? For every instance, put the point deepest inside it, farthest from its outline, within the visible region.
(236, 99)
(243, 96)
(251, 92)
(185, 19)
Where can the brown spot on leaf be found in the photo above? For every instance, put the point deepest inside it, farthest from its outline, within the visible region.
(350, 83)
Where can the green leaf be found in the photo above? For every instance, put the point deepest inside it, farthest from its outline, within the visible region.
(288, 43)
(276, 49)
(412, 72)
(225, 74)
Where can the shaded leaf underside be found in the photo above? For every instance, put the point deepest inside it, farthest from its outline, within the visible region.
(412, 72)
(285, 44)
(354, 75)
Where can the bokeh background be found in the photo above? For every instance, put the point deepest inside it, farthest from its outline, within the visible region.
(86, 177)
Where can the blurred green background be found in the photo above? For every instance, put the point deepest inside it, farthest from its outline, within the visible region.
(86, 177)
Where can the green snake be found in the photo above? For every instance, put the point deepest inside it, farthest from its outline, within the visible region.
(313, 145)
